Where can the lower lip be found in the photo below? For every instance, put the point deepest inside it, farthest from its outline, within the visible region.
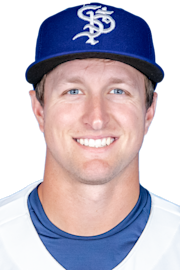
(99, 149)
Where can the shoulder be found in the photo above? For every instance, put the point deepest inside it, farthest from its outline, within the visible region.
(165, 207)
(164, 204)
(15, 205)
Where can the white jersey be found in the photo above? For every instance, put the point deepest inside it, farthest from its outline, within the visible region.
(158, 247)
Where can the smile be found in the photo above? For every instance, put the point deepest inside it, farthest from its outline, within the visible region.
(97, 146)
(96, 143)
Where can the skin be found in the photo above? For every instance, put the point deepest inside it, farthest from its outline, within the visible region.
(88, 191)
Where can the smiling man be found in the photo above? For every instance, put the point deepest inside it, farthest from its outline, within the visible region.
(94, 78)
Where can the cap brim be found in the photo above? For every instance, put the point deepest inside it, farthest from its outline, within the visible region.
(36, 70)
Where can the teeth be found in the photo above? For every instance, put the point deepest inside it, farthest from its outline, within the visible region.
(96, 143)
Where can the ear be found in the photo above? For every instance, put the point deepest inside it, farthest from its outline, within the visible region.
(37, 109)
(150, 113)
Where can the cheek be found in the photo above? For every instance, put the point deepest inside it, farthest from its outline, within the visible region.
(131, 119)
(131, 115)
(60, 118)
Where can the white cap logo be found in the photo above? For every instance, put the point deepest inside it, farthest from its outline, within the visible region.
(98, 19)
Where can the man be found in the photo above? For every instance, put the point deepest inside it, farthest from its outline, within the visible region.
(94, 78)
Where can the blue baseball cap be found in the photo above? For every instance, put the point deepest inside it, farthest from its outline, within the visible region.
(94, 31)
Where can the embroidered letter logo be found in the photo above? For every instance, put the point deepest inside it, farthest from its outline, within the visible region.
(99, 18)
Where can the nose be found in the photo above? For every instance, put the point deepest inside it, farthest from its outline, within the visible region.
(96, 114)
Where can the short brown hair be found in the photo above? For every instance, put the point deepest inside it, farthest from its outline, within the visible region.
(149, 86)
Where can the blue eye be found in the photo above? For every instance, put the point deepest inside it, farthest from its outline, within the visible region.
(117, 91)
(73, 90)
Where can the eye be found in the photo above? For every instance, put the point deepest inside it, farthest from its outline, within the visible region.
(117, 91)
(72, 91)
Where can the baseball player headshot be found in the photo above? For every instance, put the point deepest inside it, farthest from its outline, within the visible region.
(94, 96)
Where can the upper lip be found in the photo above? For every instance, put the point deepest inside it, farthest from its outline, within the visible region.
(95, 137)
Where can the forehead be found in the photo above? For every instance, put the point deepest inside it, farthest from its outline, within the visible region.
(96, 69)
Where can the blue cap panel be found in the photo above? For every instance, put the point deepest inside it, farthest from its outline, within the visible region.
(94, 28)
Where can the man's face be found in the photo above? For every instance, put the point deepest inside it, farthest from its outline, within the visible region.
(94, 99)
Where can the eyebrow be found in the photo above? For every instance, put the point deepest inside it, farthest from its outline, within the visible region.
(78, 79)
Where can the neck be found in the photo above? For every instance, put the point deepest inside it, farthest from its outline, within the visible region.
(88, 210)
